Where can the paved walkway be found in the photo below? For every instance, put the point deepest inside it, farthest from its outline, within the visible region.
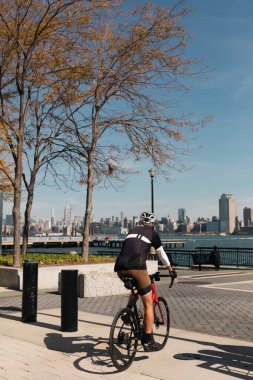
(212, 314)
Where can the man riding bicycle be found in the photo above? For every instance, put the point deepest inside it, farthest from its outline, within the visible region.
(132, 263)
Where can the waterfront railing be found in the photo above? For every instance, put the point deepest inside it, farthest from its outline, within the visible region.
(238, 257)
(234, 257)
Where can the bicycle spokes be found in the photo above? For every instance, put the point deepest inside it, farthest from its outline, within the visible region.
(123, 339)
(161, 322)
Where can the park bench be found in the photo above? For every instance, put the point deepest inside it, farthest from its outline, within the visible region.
(201, 258)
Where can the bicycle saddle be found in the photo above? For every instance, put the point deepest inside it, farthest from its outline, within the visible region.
(129, 282)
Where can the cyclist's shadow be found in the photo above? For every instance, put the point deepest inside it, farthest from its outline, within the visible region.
(95, 356)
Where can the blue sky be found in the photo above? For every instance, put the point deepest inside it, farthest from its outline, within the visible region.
(222, 34)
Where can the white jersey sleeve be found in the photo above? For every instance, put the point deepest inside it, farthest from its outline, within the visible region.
(162, 256)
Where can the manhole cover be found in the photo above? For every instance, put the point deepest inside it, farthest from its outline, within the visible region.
(187, 356)
(194, 282)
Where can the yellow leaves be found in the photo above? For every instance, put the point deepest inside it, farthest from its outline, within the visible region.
(6, 173)
(178, 136)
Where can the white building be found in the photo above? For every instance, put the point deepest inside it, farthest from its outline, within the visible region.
(227, 213)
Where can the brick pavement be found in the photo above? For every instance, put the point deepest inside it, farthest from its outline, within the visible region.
(41, 350)
(194, 306)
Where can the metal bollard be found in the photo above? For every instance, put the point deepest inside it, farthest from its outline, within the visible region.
(30, 292)
(69, 300)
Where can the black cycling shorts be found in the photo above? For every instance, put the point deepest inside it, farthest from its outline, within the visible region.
(142, 279)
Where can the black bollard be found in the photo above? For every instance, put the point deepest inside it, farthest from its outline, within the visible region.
(30, 292)
(69, 300)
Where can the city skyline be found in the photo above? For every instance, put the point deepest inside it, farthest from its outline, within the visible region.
(225, 202)
(222, 35)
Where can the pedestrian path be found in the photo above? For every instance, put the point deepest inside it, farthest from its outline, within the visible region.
(211, 335)
(42, 351)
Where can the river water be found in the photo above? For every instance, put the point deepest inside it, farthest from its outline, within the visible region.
(194, 241)
(191, 242)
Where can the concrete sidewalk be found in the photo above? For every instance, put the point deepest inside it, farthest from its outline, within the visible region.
(42, 351)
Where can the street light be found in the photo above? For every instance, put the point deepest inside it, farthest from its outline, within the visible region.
(152, 174)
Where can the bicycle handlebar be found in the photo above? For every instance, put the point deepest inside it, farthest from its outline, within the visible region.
(172, 279)
(156, 277)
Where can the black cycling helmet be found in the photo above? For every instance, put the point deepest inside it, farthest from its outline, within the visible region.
(147, 217)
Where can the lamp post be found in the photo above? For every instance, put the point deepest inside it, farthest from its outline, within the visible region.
(152, 174)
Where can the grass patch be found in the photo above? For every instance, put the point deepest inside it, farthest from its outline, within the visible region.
(57, 259)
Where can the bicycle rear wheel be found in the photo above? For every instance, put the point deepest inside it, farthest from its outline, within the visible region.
(161, 322)
(123, 339)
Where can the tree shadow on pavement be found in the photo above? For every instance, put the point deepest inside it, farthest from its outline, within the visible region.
(232, 360)
(95, 358)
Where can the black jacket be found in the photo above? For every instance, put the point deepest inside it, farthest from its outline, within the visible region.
(136, 247)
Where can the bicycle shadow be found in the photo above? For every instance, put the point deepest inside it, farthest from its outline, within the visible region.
(232, 360)
(96, 358)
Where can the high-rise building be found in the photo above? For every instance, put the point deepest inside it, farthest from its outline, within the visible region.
(247, 217)
(181, 215)
(67, 214)
(9, 220)
(227, 213)
(52, 218)
(135, 220)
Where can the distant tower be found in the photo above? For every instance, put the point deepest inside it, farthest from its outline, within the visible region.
(122, 216)
(135, 220)
(181, 215)
(227, 213)
(247, 217)
(52, 217)
(67, 214)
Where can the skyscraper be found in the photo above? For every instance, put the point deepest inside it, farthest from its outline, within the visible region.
(227, 213)
(181, 215)
(67, 214)
(247, 217)
(9, 220)
(52, 217)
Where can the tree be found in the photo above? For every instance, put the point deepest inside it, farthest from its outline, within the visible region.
(136, 63)
(46, 150)
(36, 42)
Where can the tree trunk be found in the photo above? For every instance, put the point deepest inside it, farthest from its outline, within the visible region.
(1, 220)
(18, 187)
(27, 223)
(28, 209)
(87, 219)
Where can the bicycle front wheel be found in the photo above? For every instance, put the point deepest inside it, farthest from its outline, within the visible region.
(123, 339)
(161, 322)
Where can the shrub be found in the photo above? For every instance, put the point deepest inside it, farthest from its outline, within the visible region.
(57, 259)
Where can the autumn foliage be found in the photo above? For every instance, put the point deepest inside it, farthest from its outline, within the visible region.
(90, 82)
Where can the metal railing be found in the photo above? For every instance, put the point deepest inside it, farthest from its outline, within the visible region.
(228, 256)
(239, 257)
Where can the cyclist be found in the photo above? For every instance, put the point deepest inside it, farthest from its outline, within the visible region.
(131, 262)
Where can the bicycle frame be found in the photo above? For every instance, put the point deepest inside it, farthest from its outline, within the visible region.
(134, 296)
(155, 299)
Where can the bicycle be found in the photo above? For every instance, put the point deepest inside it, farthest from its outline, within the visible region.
(127, 326)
